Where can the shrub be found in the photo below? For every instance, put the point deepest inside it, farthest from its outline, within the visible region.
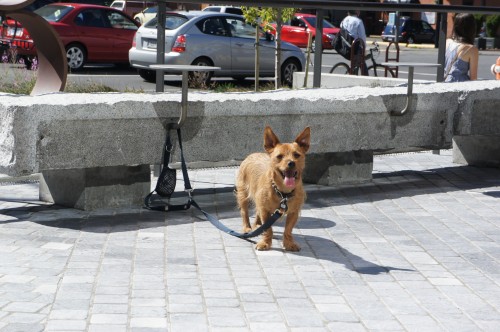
(493, 25)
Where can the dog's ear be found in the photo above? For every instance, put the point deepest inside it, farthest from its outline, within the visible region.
(304, 139)
(270, 139)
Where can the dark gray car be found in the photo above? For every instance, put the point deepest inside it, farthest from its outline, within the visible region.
(213, 39)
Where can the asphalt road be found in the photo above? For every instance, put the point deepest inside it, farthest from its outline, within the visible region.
(127, 79)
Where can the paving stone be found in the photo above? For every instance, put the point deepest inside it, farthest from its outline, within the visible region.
(414, 250)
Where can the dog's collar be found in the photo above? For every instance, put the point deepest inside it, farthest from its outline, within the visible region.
(284, 197)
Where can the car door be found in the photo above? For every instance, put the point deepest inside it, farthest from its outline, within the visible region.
(93, 30)
(243, 48)
(295, 32)
(121, 30)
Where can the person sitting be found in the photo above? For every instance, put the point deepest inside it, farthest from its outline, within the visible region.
(461, 57)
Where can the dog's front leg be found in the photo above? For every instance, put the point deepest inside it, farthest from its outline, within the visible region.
(288, 242)
(267, 237)
(266, 240)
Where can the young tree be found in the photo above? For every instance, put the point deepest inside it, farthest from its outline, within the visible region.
(266, 16)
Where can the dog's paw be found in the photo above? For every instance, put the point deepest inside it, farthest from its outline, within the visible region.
(261, 245)
(291, 246)
(246, 229)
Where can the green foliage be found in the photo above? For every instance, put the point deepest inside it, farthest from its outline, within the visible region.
(265, 16)
(493, 25)
(479, 18)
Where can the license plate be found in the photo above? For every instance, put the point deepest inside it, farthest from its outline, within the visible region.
(390, 38)
(150, 44)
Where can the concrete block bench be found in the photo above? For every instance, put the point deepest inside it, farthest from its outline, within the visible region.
(95, 150)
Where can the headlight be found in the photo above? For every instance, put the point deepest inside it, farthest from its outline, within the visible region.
(330, 36)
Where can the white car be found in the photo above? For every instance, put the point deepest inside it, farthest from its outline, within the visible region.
(212, 39)
(224, 9)
(146, 14)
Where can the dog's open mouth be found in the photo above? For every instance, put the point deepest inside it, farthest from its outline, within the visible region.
(289, 177)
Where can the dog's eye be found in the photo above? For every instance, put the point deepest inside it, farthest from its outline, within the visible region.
(297, 155)
(279, 157)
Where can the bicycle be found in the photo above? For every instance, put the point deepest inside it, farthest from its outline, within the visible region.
(376, 69)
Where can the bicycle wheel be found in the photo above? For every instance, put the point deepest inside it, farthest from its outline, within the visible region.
(340, 68)
(380, 72)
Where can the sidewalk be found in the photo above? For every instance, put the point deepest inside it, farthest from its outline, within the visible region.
(417, 249)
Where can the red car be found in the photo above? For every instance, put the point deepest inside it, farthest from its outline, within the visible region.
(90, 33)
(296, 31)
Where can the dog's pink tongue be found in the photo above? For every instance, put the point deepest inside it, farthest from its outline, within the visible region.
(290, 181)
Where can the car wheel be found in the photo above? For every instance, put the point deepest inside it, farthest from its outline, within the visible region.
(147, 75)
(313, 46)
(76, 55)
(200, 79)
(410, 40)
(289, 67)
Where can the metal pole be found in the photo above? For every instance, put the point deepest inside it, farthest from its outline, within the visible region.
(443, 29)
(160, 54)
(319, 49)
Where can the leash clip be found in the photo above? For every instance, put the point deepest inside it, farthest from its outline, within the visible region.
(189, 192)
(284, 205)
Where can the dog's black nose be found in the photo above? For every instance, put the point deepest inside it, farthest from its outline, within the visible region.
(291, 164)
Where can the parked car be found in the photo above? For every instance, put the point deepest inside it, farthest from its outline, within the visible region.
(132, 7)
(146, 14)
(212, 39)
(90, 33)
(296, 31)
(224, 9)
(410, 31)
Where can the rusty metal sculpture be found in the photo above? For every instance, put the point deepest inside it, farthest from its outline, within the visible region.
(52, 62)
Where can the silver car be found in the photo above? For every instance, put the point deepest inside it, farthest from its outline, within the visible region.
(212, 39)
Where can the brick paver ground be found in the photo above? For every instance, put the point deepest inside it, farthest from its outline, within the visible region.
(417, 249)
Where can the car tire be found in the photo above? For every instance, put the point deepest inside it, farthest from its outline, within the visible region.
(313, 46)
(410, 40)
(147, 75)
(200, 79)
(289, 67)
(77, 56)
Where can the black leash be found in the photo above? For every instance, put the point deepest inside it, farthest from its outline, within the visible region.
(165, 187)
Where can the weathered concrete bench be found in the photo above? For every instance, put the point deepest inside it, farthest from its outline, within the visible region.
(96, 150)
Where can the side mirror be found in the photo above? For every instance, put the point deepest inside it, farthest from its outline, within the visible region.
(269, 36)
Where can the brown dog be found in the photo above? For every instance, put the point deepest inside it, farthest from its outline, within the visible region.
(266, 178)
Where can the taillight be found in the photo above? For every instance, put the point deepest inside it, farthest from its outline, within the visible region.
(134, 42)
(179, 44)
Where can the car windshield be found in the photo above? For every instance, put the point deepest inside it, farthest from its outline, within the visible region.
(151, 10)
(312, 21)
(171, 22)
(53, 13)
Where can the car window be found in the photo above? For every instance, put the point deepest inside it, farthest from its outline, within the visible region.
(118, 5)
(171, 22)
(232, 10)
(119, 21)
(91, 18)
(53, 13)
(297, 22)
(151, 10)
(212, 9)
(212, 26)
(426, 26)
(240, 28)
(312, 21)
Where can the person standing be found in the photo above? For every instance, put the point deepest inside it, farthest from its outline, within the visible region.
(354, 25)
(461, 57)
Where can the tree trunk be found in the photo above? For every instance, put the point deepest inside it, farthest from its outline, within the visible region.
(277, 69)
